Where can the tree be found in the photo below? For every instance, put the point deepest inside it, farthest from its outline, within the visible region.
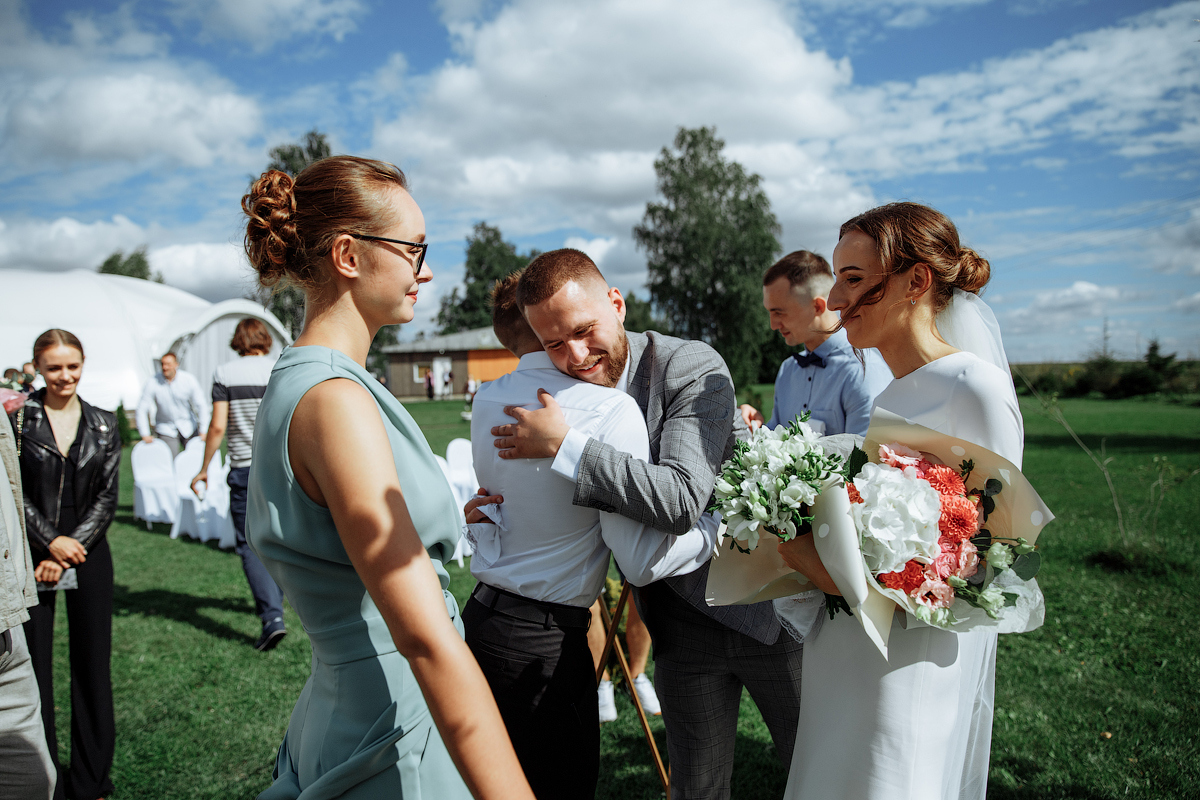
(293, 158)
(640, 317)
(134, 265)
(489, 258)
(286, 301)
(708, 244)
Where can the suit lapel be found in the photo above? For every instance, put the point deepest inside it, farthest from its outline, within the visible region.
(638, 386)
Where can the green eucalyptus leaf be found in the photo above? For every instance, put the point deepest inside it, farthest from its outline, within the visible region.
(1027, 566)
(992, 487)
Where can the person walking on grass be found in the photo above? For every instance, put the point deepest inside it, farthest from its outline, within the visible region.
(180, 411)
(237, 390)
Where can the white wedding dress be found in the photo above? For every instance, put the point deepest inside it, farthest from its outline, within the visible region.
(919, 725)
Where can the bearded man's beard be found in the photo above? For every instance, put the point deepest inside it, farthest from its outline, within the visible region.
(615, 367)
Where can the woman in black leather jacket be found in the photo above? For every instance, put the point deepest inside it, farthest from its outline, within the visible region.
(70, 454)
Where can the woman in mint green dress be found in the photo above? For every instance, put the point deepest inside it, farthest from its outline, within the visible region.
(350, 513)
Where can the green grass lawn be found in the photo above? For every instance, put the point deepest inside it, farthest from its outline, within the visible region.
(200, 713)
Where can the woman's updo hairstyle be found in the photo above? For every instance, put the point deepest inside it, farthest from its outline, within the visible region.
(908, 234)
(293, 222)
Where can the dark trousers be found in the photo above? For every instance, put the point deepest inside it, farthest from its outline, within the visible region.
(700, 667)
(89, 622)
(268, 600)
(545, 686)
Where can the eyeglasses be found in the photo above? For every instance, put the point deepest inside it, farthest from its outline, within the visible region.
(420, 256)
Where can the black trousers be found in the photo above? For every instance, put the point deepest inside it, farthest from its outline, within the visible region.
(545, 687)
(89, 623)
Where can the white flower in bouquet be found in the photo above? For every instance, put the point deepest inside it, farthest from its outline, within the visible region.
(771, 480)
(898, 520)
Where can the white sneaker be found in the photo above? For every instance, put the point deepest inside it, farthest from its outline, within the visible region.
(608, 705)
(645, 693)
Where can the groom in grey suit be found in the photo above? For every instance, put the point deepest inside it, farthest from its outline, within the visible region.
(703, 656)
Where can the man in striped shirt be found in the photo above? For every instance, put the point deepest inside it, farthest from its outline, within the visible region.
(237, 391)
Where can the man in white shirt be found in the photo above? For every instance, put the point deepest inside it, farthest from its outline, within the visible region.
(703, 655)
(543, 562)
(180, 410)
(826, 380)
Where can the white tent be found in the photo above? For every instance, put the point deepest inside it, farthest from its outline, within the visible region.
(125, 325)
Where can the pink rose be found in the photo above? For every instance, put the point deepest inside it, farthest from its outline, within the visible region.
(968, 560)
(899, 456)
(946, 563)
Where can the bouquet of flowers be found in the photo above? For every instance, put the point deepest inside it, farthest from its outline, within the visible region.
(922, 539)
(893, 524)
(771, 482)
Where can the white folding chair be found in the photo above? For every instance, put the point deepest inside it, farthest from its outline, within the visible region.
(463, 548)
(217, 522)
(191, 509)
(154, 495)
(461, 461)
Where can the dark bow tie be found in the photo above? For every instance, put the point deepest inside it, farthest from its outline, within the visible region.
(807, 359)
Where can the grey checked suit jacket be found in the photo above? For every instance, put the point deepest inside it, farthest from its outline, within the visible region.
(686, 394)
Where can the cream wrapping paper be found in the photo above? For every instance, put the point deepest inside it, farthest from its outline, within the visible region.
(737, 578)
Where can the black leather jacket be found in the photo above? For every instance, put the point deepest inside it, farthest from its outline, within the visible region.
(96, 474)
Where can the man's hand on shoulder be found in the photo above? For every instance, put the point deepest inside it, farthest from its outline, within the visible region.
(537, 433)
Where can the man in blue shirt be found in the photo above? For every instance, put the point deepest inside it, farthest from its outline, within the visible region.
(827, 378)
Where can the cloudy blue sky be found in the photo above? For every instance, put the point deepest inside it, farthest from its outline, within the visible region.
(1063, 136)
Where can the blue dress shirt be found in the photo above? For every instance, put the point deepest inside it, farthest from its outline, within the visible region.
(840, 395)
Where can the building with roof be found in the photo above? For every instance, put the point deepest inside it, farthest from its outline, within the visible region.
(453, 359)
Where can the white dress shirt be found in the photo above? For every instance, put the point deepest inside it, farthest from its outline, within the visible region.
(180, 408)
(544, 547)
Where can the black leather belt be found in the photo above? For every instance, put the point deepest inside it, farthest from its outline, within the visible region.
(550, 615)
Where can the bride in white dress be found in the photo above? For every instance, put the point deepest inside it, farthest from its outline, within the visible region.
(919, 724)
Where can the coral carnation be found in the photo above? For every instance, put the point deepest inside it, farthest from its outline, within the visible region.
(935, 594)
(945, 479)
(959, 519)
(907, 581)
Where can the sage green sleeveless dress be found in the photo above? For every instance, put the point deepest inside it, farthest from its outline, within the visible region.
(361, 728)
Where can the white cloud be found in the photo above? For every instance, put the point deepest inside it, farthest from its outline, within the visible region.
(1055, 309)
(212, 271)
(1130, 88)
(66, 243)
(1176, 248)
(265, 23)
(596, 249)
(109, 93)
(1187, 305)
(215, 271)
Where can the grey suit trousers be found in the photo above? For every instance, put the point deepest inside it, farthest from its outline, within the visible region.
(700, 668)
(26, 771)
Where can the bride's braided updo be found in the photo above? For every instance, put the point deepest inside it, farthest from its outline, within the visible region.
(292, 223)
(908, 234)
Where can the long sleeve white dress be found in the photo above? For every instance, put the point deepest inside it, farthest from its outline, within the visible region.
(918, 725)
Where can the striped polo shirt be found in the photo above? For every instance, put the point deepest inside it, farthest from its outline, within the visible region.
(242, 383)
